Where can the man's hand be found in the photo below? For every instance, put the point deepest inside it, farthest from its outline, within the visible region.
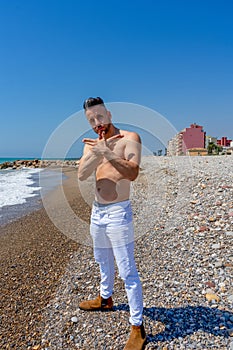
(102, 146)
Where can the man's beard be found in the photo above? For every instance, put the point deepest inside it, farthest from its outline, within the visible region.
(101, 128)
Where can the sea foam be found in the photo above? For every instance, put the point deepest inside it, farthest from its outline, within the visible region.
(16, 186)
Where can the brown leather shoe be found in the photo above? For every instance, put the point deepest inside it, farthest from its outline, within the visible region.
(137, 338)
(98, 304)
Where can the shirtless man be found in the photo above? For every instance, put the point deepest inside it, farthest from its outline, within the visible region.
(114, 157)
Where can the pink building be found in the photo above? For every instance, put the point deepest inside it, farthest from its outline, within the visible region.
(193, 137)
(224, 142)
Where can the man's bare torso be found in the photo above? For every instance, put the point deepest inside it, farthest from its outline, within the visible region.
(111, 187)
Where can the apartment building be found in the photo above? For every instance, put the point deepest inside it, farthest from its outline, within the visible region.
(186, 140)
(224, 142)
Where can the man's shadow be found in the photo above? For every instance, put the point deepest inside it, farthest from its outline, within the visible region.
(183, 321)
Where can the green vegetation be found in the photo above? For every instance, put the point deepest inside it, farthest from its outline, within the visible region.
(214, 149)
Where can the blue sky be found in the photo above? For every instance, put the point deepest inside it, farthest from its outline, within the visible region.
(174, 57)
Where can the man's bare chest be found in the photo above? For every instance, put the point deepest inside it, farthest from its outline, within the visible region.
(119, 148)
(105, 168)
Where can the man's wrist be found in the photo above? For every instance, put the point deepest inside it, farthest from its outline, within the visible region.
(95, 154)
(109, 155)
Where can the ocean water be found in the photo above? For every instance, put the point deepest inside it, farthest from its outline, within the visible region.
(20, 192)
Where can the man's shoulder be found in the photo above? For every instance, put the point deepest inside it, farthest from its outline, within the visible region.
(131, 135)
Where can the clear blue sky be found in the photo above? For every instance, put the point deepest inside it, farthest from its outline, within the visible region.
(174, 56)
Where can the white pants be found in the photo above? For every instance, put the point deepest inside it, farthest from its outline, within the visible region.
(113, 236)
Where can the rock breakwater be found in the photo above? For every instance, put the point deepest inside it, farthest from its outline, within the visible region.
(38, 163)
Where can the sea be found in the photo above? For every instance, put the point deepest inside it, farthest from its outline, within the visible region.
(20, 191)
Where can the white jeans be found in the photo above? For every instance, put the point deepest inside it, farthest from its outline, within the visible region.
(113, 236)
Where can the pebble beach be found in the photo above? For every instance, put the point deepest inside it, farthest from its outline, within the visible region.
(183, 218)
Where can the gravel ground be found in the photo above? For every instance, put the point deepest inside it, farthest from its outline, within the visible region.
(183, 216)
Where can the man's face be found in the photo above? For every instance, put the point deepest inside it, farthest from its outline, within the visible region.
(99, 118)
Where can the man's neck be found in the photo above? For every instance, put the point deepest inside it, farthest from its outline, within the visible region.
(112, 131)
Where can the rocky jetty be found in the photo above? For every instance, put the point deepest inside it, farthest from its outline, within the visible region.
(37, 163)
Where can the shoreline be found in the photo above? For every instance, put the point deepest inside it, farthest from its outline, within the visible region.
(12, 212)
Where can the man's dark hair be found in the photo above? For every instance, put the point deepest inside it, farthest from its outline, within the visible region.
(92, 101)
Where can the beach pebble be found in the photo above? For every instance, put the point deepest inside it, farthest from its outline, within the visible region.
(229, 234)
(216, 246)
(212, 297)
(218, 264)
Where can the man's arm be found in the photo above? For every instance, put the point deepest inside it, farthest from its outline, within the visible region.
(97, 149)
(129, 166)
(88, 163)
